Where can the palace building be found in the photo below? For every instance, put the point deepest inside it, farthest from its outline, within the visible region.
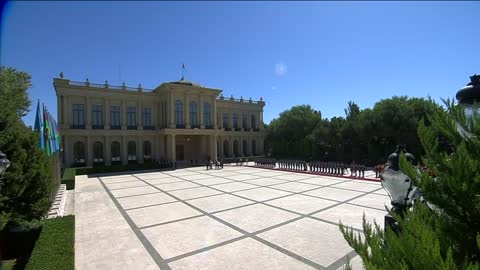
(181, 121)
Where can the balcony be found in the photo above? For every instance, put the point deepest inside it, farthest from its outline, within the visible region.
(148, 127)
(179, 126)
(132, 127)
(228, 129)
(97, 127)
(115, 127)
(195, 126)
(209, 126)
(78, 126)
(238, 129)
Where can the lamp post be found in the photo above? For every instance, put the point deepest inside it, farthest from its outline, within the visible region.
(403, 194)
(4, 163)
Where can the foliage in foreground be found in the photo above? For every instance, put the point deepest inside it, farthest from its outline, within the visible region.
(54, 248)
(447, 237)
(26, 187)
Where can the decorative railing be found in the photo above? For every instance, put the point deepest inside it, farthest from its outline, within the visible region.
(97, 126)
(240, 100)
(115, 127)
(149, 127)
(131, 127)
(108, 86)
(209, 126)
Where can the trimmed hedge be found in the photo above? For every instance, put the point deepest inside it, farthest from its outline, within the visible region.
(68, 178)
(54, 248)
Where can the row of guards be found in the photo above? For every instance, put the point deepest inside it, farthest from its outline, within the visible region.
(46, 126)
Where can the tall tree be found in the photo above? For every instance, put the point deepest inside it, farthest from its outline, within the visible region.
(26, 186)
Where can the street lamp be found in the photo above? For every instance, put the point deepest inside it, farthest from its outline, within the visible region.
(4, 163)
(403, 194)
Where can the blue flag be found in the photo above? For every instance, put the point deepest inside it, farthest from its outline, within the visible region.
(39, 126)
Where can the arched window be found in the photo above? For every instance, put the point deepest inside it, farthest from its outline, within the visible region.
(131, 152)
(193, 114)
(79, 154)
(115, 149)
(254, 148)
(235, 148)
(147, 151)
(207, 115)
(97, 153)
(245, 147)
(253, 122)
(225, 148)
(179, 114)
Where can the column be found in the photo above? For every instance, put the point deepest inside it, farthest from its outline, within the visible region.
(257, 119)
(123, 114)
(213, 147)
(140, 149)
(171, 110)
(230, 146)
(108, 151)
(214, 113)
(200, 110)
(124, 151)
(65, 119)
(89, 113)
(249, 145)
(173, 153)
(139, 114)
(187, 110)
(106, 112)
(161, 147)
(89, 154)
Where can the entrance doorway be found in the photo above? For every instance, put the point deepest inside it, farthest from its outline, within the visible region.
(179, 152)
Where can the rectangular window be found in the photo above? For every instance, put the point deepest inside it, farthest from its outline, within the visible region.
(225, 120)
(244, 120)
(78, 116)
(235, 120)
(147, 118)
(115, 117)
(131, 118)
(97, 117)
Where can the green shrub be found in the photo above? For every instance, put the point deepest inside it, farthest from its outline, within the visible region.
(55, 246)
(26, 187)
(68, 178)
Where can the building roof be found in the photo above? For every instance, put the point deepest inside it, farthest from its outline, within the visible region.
(185, 82)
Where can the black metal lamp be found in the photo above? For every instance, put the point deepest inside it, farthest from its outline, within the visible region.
(399, 186)
(4, 163)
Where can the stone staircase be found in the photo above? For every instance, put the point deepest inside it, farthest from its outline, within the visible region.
(58, 206)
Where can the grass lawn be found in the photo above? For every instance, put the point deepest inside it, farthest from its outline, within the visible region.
(68, 178)
(54, 248)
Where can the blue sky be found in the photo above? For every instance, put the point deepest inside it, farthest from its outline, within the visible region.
(289, 53)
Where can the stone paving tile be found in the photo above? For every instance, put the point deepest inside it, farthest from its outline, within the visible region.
(261, 194)
(255, 217)
(174, 186)
(373, 200)
(185, 236)
(381, 192)
(240, 255)
(144, 200)
(265, 181)
(109, 180)
(134, 183)
(315, 240)
(218, 202)
(301, 204)
(103, 239)
(358, 185)
(196, 177)
(161, 213)
(133, 191)
(159, 181)
(292, 176)
(351, 215)
(192, 193)
(356, 264)
(268, 173)
(212, 181)
(295, 187)
(242, 177)
(334, 193)
(321, 181)
(234, 186)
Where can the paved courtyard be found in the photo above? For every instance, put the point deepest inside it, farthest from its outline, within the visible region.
(235, 218)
